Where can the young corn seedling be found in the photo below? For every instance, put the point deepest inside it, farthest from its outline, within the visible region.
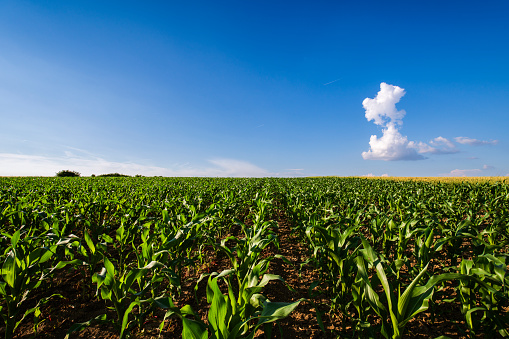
(245, 303)
(492, 238)
(425, 248)
(492, 286)
(24, 269)
(455, 237)
(176, 244)
(401, 305)
(244, 256)
(124, 238)
(335, 252)
(237, 314)
(117, 287)
(146, 253)
(261, 208)
(362, 306)
(92, 251)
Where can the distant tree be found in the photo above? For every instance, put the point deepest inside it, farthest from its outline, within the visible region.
(113, 175)
(68, 173)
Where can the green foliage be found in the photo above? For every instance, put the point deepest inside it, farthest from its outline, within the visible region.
(114, 175)
(28, 261)
(68, 173)
(385, 251)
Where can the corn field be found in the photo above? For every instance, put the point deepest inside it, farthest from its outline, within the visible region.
(232, 258)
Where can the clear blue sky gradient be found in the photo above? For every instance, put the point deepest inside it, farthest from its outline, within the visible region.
(257, 88)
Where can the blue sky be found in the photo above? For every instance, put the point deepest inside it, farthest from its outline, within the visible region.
(261, 88)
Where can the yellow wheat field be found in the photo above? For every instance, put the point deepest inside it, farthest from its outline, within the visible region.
(504, 179)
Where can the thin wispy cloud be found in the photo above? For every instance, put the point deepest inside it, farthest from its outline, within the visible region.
(294, 173)
(331, 82)
(474, 142)
(236, 168)
(464, 172)
(443, 145)
(371, 175)
(469, 172)
(439, 145)
(33, 165)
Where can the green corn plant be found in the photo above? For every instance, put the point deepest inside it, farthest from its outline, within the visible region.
(56, 231)
(335, 252)
(244, 256)
(226, 206)
(391, 234)
(261, 208)
(247, 269)
(488, 294)
(494, 237)
(235, 314)
(425, 248)
(405, 233)
(455, 237)
(177, 243)
(362, 306)
(381, 232)
(150, 251)
(92, 252)
(400, 305)
(124, 236)
(117, 286)
(98, 216)
(26, 266)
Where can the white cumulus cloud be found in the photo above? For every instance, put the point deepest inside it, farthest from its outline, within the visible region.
(392, 145)
(382, 110)
(384, 105)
